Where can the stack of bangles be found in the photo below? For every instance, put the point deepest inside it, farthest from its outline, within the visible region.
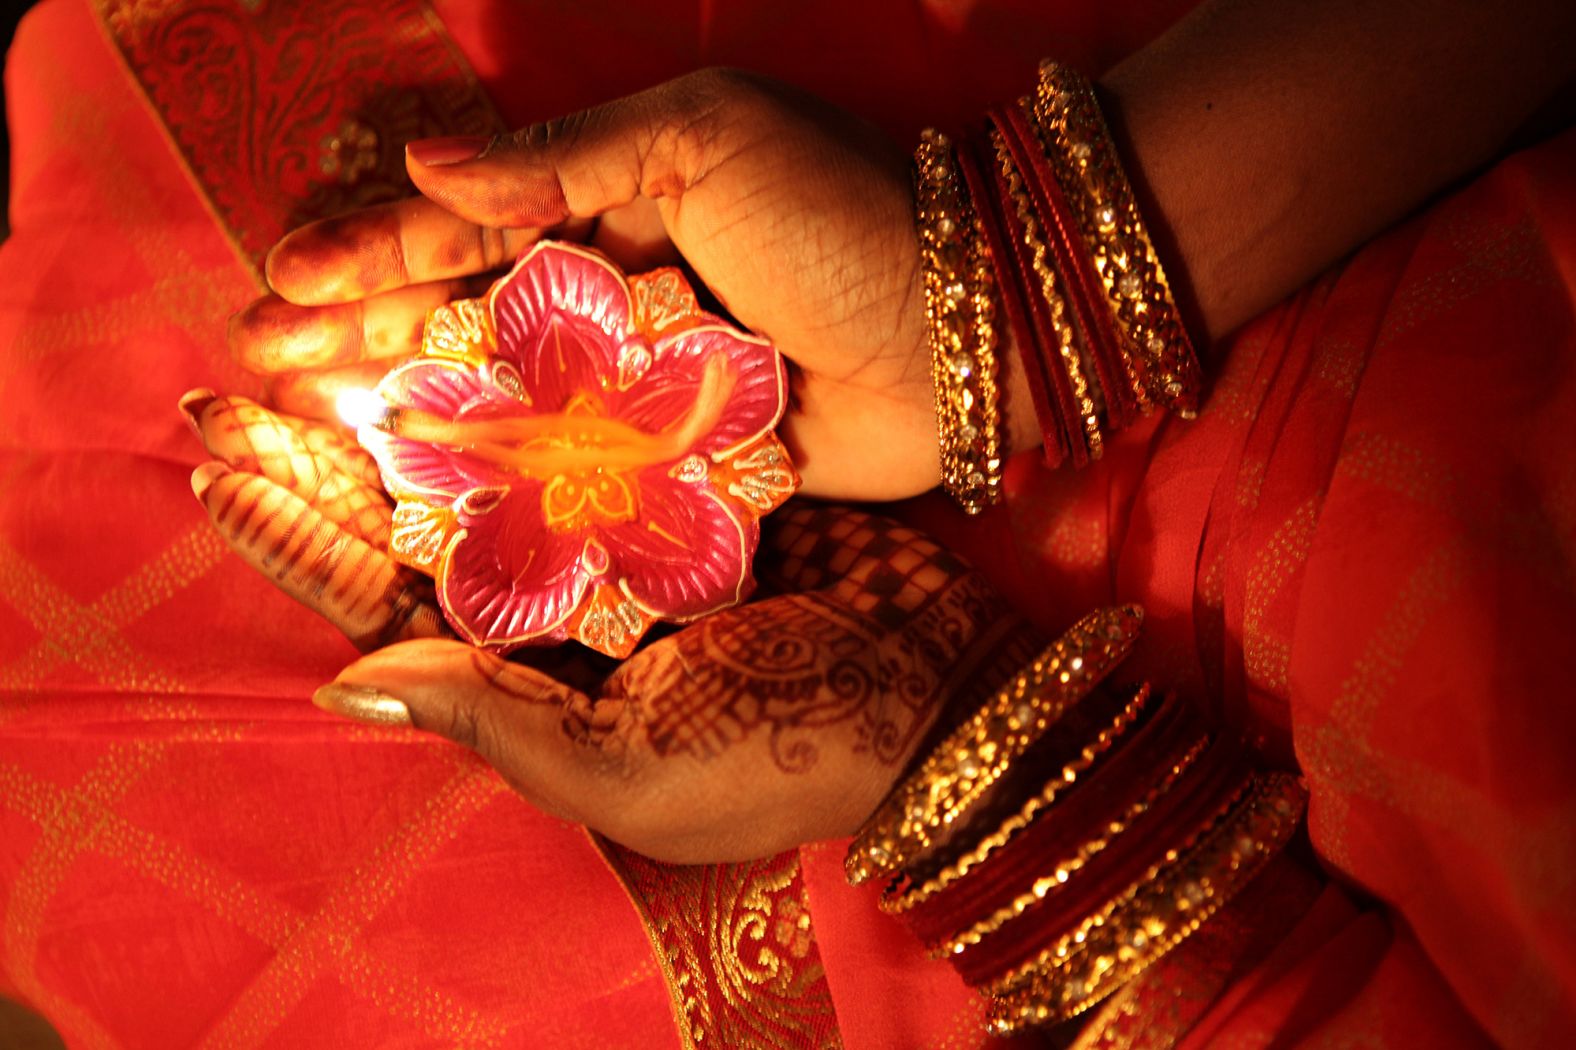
(1068, 835)
(1029, 226)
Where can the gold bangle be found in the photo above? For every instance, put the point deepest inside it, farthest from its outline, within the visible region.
(1060, 874)
(960, 305)
(1046, 885)
(1066, 347)
(1066, 115)
(976, 754)
(1156, 914)
(895, 902)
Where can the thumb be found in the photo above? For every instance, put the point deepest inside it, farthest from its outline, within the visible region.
(654, 144)
(549, 740)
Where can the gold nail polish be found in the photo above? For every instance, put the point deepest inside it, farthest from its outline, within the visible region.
(204, 477)
(362, 703)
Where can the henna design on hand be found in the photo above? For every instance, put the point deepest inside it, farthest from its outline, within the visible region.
(602, 726)
(316, 561)
(252, 439)
(896, 627)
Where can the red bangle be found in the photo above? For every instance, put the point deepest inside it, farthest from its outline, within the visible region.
(1116, 784)
(1190, 809)
(1052, 403)
(1118, 380)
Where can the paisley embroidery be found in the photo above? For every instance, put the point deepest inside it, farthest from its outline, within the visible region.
(288, 112)
(737, 948)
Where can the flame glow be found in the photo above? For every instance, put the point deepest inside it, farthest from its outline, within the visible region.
(360, 408)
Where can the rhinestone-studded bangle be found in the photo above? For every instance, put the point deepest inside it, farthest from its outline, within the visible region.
(1155, 914)
(976, 754)
(960, 304)
(1067, 117)
(895, 902)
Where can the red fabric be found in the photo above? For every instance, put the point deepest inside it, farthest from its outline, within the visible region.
(1360, 552)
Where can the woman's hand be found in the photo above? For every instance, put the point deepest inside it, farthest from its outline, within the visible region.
(751, 731)
(797, 216)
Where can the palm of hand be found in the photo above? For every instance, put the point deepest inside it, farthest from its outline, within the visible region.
(795, 215)
(802, 223)
(749, 732)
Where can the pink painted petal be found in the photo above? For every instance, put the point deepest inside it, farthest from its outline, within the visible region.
(667, 390)
(509, 579)
(562, 315)
(687, 554)
(571, 358)
(449, 389)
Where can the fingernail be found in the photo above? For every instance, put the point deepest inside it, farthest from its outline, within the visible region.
(433, 153)
(193, 402)
(204, 477)
(362, 703)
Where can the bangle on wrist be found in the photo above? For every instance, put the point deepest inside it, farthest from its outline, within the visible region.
(960, 305)
(1095, 830)
(976, 754)
(1029, 224)
(1073, 133)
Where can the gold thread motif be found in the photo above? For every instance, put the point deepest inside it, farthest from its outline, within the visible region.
(1171, 901)
(959, 772)
(737, 949)
(333, 135)
(913, 896)
(1066, 348)
(1158, 354)
(960, 305)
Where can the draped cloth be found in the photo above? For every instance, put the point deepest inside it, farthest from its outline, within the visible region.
(1360, 555)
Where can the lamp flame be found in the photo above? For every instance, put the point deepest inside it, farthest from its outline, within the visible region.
(361, 408)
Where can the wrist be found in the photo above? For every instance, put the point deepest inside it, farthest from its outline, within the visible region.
(1051, 316)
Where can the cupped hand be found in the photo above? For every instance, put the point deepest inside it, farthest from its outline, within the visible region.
(795, 215)
(751, 731)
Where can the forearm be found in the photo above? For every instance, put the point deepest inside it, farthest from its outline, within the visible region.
(1271, 137)
(1267, 138)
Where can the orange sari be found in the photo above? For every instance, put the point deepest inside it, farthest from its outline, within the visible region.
(1360, 552)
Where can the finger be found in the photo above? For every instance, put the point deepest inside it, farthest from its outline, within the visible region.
(655, 144)
(387, 246)
(333, 442)
(554, 744)
(314, 395)
(635, 237)
(588, 759)
(273, 335)
(355, 587)
(251, 439)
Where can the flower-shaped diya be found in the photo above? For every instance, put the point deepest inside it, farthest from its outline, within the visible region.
(580, 454)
